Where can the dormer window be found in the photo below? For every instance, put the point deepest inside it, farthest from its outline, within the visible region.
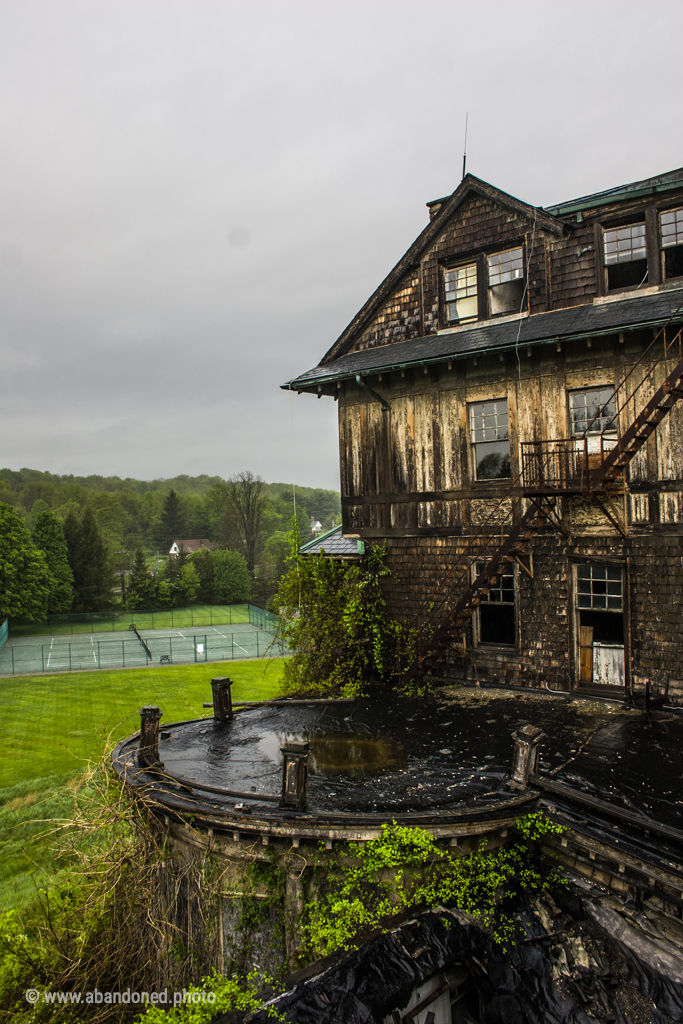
(625, 256)
(460, 289)
(506, 281)
(671, 229)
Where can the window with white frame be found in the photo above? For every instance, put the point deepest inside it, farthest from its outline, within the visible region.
(460, 290)
(625, 252)
(497, 618)
(489, 436)
(506, 281)
(671, 232)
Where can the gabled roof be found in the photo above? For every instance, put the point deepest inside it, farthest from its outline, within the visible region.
(571, 323)
(470, 185)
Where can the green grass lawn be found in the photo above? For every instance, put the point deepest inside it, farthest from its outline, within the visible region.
(53, 724)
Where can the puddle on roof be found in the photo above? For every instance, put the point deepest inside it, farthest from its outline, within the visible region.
(352, 754)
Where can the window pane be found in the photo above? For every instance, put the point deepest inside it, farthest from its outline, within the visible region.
(625, 244)
(671, 226)
(594, 409)
(502, 592)
(489, 421)
(599, 587)
(506, 266)
(492, 460)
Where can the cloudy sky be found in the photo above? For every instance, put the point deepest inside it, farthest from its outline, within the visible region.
(197, 195)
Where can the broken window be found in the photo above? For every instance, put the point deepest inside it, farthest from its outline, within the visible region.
(671, 228)
(625, 256)
(599, 587)
(592, 412)
(460, 287)
(600, 601)
(490, 439)
(497, 610)
(506, 281)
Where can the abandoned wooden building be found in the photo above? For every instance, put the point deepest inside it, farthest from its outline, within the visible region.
(510, 429)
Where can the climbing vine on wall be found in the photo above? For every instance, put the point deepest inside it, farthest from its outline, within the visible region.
(334, 623)
(405, 868)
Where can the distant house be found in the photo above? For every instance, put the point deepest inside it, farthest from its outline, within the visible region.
(189, 546)
(316, 527)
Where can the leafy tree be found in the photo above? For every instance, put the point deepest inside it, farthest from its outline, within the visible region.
(172, 519)
(25, 579)
(48, 537)
(141, 584)
(334, 623)
(188, 584)
(90, 563)
(232, 580)
(223, 577)
(246, 504)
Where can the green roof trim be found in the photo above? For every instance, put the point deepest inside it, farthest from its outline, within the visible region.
(648, 186)
(316, 540)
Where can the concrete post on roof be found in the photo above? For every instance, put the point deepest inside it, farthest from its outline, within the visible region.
(294, 775)
(525, 756)
(222, 699)
(148, 753)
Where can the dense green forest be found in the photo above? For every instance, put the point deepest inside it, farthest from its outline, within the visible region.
(242, 514)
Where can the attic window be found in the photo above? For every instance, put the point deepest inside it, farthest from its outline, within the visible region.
(460, 289)
(671, 227)
(625, 256)
(490, 439)
(506, 281)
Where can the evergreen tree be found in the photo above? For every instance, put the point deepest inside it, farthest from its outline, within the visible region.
(172, 520)
(25, 579)
(204, 562)
(90, 563)
(48, 537)
(141, 584)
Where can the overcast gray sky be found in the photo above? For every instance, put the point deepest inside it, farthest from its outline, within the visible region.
(196, 196)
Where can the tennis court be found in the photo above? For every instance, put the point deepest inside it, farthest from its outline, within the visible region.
(85, 652)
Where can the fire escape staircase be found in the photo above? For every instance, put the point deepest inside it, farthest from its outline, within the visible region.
(592, 465)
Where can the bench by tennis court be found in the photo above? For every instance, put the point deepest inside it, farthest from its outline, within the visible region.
(31, 655)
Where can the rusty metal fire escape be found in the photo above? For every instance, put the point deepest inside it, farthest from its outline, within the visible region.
(592, 465)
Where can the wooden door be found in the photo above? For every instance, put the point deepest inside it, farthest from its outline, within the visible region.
(586, 654)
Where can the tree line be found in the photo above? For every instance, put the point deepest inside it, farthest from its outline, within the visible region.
(62, 559)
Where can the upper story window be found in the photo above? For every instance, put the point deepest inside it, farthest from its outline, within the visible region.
(671, 231)
(506, 281)
(490, 439)
(592, 412)
(625, 256)
(460, 288)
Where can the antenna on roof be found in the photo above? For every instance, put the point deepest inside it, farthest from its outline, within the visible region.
(464, 151)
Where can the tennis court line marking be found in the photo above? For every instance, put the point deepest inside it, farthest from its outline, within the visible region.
(50, 654)
(93, 650)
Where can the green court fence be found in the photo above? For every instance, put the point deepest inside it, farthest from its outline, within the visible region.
(263, 619)
(158, 618)
(4, 633)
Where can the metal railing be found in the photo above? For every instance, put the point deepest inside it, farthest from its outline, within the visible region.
(563, 465)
